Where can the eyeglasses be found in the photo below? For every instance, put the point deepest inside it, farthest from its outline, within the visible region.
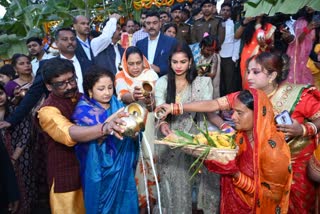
(62, 85)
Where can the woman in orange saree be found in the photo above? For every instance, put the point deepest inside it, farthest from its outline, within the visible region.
(259, 179)
(268, 72)
(257, 35)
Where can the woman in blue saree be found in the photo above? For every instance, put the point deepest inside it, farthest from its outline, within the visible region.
(108, 164)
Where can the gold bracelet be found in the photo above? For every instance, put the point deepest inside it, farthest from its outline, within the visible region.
(304, 130)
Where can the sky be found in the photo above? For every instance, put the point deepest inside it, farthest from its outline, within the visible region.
(2, 11)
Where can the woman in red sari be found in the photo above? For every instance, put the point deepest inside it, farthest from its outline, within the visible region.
(259, 179)
(268, 71)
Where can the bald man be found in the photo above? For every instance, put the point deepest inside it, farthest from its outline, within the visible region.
(82, 28)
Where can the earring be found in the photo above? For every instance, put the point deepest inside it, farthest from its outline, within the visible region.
(90, 95)
(270, 81)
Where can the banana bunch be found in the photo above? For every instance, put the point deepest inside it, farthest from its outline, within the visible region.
(217, 139)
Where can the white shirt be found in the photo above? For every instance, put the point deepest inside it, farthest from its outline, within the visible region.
(118, 56)
(35, 62)
(78, 70)
(101, 42)
(86, 46)
(230, 46)
(152, 46)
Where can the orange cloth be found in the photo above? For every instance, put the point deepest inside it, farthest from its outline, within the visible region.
(266, 164)
(125, 83)
(56, 125)
(68, 202)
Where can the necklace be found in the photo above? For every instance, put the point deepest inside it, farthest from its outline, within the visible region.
(273, 92)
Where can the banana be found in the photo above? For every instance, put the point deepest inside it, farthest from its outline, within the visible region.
(201, 139)
(224, 141)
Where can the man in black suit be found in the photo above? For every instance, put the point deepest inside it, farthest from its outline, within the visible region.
(82, 28)
(106, 50)
(66, 42)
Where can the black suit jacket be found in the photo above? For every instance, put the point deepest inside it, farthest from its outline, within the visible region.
(80, 53)
(36, 91)
(106, 58)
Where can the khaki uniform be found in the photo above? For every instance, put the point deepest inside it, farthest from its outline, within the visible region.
(184, 32)
(214, 26)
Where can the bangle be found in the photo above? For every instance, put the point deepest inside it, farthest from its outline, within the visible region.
(102, 132)
(306, 30)
(223, 125)
(177, 108)
(304, 130)
(311, 129)
(133, 99)
(244, 182)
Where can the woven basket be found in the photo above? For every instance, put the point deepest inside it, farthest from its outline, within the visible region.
(217, 154)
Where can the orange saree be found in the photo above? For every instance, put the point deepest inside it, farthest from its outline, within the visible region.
(252, 49)
(264, 167)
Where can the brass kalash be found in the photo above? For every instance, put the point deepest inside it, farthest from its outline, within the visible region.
(137, 114)
(135, 121)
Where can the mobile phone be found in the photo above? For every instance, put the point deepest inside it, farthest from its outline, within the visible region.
(283, 118)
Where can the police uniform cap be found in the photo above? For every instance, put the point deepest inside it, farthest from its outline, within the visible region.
(176, 7)
(208, 2)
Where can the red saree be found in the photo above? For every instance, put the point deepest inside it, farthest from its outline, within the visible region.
(302, 102)
(266, 165)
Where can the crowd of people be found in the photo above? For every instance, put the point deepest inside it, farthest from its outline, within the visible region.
(62, 119)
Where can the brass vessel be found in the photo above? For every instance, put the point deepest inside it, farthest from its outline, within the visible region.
(147, 88)
(135, 121)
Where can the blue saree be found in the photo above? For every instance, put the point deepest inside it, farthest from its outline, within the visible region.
(107, 165)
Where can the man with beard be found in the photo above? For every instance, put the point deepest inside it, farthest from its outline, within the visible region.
(66, 42)
(106, 50)
(36, 50)
(209, 24)
(157, 46)
(142, 33)
(63, 168)
(183, 29)
(82, 28)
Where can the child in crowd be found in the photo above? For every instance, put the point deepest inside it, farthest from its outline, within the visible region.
(209, 62)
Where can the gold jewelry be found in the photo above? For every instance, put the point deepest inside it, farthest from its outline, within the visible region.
(90, 95)
(273, 92)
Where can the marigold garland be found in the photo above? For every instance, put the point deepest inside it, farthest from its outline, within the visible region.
(139, 4)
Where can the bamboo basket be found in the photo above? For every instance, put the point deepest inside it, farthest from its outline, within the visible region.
(217, 154)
